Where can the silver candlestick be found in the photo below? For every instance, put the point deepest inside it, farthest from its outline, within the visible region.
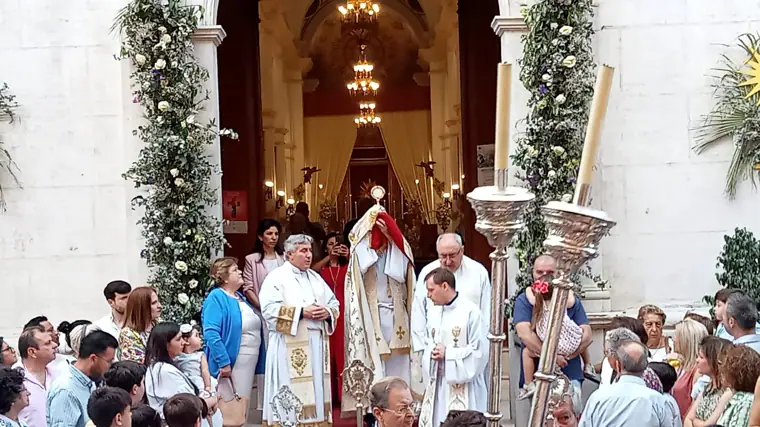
(499, 212)
(357, 380)
(573, 239)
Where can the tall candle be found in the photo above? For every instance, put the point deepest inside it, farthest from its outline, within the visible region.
(593, 131)
(503, 90)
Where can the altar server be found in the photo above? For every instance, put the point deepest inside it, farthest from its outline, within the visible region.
(455, 352)
(301, 312)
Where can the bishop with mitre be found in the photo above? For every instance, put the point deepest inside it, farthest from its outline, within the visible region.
(378, 292)
(455, 351)
(300, 310)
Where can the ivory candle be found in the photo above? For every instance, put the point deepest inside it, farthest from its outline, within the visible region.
(594, 129)
(503, 91)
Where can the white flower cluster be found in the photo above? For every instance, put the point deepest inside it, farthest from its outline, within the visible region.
(173, 166)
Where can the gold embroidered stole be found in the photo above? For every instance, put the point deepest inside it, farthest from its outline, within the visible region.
(400, 342)
(300, 360)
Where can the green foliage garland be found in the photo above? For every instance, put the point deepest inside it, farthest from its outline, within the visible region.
(167, 81)
(557, 68)
(739, 264)
(7, 106)
(735, 115)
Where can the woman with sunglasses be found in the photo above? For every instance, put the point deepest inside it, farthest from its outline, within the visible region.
(8, 356)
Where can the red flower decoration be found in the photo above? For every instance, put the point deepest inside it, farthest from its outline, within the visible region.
(540, 287)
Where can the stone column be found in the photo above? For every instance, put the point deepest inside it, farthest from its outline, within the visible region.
(206, 40)
(294, 86)
(270, 161)
(438, 115)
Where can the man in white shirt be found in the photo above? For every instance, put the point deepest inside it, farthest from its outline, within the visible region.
(473, 284)
(117, 294)
(455, 353)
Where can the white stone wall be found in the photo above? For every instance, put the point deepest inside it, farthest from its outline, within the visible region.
(70, 229)
(668, 201)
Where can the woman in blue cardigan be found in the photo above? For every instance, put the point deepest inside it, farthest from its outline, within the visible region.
(234, 333)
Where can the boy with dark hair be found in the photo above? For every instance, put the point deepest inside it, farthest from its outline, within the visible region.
(668, 376)
(183, 410)
(145, 416)
(110, 407)
(128, 376)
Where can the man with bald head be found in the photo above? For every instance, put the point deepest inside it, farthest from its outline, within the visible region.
(473, 284)
(628, 402)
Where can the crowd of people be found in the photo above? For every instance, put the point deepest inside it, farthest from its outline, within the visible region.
(285, 320)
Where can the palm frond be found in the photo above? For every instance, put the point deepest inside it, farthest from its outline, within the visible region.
(717, 125)
(742, 165)
(118, 21)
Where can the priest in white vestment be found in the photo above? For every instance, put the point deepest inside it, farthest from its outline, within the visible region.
(473, 284)
(455, 354)
(300, 311)
(378, 292)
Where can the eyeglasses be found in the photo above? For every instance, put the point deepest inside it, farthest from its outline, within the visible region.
(8, 349)
(403, 412)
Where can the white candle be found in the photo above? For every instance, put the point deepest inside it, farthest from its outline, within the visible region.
(503, 91)
(594, 129)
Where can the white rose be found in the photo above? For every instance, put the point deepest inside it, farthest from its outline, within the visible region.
(190, 119)
(569, 62)
(546, 77)
(560, 99)
(181, 211)
(166, 39)
(181, 266)
(140, 59)
(553, 25)
(567, 198)
(160, 64)
(168, 241)
(160, 119)
(162, 29)
(179, 182)
(183, 298)
(566, 30)
(174, 172)
(555, 42)
(552, 174)
(532, 152)
(146, 85)
(558, 150)
(163, 106)
(192, 284)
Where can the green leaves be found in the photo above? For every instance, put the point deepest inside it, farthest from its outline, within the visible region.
(557, 68)
(7, 106)
(734, 115)
(739, 263)
(172, 169)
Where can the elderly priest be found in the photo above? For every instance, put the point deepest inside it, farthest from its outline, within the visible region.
(300, 311)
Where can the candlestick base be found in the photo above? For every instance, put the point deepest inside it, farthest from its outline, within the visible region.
(499, 216)
(573, 239)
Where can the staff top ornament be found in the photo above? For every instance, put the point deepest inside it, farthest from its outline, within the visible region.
(754, 76)
(377, 193)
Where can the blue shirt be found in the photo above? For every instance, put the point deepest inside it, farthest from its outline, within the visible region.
(222, 329)
(67, 399)
(628, 402)
(7, 422)
(524, 313)
(752, 341)
(722, 332)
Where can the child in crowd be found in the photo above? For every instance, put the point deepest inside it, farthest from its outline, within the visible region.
(145, 416)
(184, 410)
(570, 337)
(193, 361)
(110, 407)
(668, 376)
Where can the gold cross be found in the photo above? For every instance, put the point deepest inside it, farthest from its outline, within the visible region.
(400, 332)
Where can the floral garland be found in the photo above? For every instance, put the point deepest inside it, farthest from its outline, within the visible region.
(557, 68)
(180, 236)
(736, 113)
(7, 106)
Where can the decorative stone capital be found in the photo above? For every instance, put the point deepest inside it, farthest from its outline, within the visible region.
(451, 122)
(281, 131)
(505, 24)
(212, 33)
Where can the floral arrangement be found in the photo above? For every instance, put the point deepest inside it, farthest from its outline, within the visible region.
(557, 68)
(443, 215)
(411, 224)
(328, 213)
(736, 113)
(167, 82)
(8, 105)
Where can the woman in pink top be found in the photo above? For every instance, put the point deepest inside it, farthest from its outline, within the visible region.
(267, 255)
(689, 333)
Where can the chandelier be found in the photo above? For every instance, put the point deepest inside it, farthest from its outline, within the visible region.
(363, 84)
(359, 12)
(367, 115)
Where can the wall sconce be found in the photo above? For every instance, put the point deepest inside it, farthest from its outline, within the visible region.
(280, 199)
(417, 181)
(269, 192)
(291, 209)
(446, 196)
(321, 186)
